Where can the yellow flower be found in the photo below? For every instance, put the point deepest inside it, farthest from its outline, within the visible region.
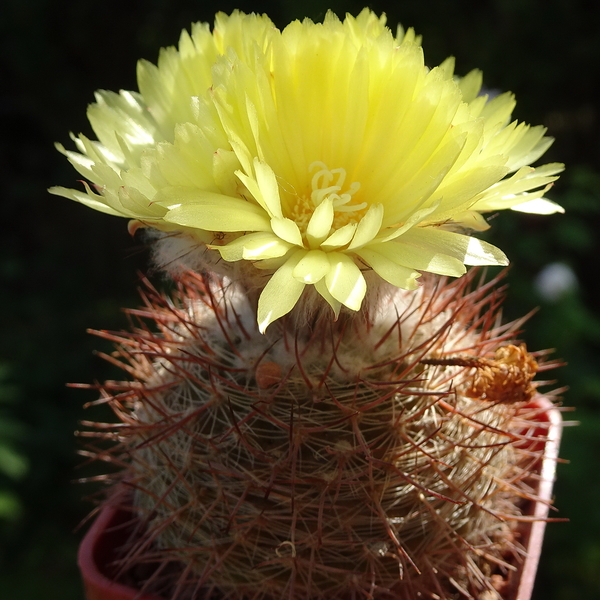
(316, 153)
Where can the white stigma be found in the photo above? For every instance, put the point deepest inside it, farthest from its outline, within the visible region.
(328, 183)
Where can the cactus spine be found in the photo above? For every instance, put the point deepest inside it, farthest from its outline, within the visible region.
(387, 454)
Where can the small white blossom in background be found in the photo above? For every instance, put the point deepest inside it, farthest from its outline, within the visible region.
(312, 155)
(555, 281)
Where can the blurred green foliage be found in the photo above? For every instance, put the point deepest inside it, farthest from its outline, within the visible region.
(13, 465)
(64, 268)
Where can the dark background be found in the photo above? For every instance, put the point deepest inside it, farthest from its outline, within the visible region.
(64, 268)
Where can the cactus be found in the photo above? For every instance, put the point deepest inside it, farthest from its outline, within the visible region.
(312, 414)
(387, 454)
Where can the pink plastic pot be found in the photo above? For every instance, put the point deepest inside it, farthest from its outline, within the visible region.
(96, 554)
(97, 550)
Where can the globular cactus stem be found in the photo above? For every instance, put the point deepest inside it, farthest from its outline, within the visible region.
(388, 454)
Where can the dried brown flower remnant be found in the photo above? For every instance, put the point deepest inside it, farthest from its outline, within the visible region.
(506, 378)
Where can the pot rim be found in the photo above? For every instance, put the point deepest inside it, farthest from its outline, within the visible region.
(542, 507)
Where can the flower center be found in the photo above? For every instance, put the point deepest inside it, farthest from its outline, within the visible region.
(329, 184)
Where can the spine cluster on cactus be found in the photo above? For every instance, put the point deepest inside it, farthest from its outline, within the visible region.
(383, 455)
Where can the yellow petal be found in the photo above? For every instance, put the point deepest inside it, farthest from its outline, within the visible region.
(93, 201)
(336, 306)
(480, 253)
(467, 249)
(344, 280)
(340, 237)
(280, 294)
(472, 220)
(211, 212)
(459, 195)
(368, 227)
(287, 230)
(135, 203)
(394, 273)
(320, 223)
(414, 219)
(253, 246)
(470, 85)
(225, 164)
(421, 255)
(313, 266)
(539, 206)
(511, 191)
(269, 190)
(255, 191)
